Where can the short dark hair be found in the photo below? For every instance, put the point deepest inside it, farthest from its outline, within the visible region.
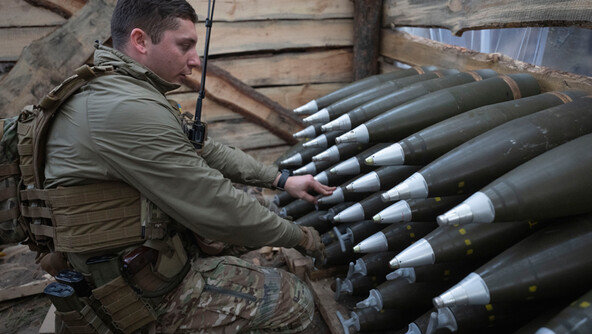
(153, 16)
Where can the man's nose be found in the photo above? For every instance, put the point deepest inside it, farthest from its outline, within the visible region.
(194, 60)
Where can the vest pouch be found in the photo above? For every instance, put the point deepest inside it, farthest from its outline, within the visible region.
(172, 257)
(128, 311)
(82, 321)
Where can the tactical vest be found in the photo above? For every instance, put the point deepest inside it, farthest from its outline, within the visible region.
(110, 218)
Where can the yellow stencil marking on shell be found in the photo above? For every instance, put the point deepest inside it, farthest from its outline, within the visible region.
(381, 311)
(409, 227)
(438, 199)
(532, 223)
(467, 242)
(462, 231)
(532, 288)
(469, 251)
(374, 278)
(489, 307)
(412, 235)
(492, 318)
(456, 225)
(446, 272)
(584, 304)
(461, 184)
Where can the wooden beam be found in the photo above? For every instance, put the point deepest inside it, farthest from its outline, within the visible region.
(275, 9)
(65, 8)
(326, 304)
(14, 40)
(47, 62)
(28, 289)
(231, 93)
(462, 15)
(233, 37)
(290, 68)
(415, 50)
(17, 13)
(367, 15)
(243, 134)
(294, 96)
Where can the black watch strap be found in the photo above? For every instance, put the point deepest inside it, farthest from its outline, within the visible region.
(283, 178)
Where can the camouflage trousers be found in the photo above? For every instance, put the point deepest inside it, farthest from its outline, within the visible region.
(229, 295)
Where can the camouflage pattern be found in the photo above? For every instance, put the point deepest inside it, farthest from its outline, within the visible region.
(10, 230)
(229, 295)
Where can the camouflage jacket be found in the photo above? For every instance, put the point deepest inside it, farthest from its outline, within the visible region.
(122, 127)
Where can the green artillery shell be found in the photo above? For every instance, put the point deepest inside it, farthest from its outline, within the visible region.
(297, 209)
(432, 142)
(282, 199)
(366, 83)
(488, 156)
(576, 318)
(383, 178)
(373, 264)
(330, 236)
(418, 114)
(552, 263)
(335, 256)
(334, 210)
(309, 132)
(356, 286)
(355, 165)
(371, 109)
(357, 232)
(362, 210)
(339, 195)
(348, 103)
(400, 294)
(438, 272)
(479, 318)
(554, 184)
(370, 320)
(420, 325)
(394, 237)
(466, 242)
(312, 168)
(313, 219)
(340, 152)
(324, 140)
(300, 158)
(423, 210)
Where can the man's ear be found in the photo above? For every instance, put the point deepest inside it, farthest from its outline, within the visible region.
(139, 40)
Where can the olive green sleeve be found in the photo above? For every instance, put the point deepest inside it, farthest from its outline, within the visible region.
(237, 165)
(142, 143)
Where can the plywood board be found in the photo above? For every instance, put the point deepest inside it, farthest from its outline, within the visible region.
(233, 37)
(243, 134)
(44, 64)
(18, 13)
(462, 15)
(275, 9)
(294, 96)
(291, 68)
(66, 8)
(415, 50)
(14, 40)
(326, 304)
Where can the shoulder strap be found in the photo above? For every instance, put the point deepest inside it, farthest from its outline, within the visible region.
(50, 104)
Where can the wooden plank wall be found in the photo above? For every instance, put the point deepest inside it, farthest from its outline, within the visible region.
(290, 51)
(459, 16)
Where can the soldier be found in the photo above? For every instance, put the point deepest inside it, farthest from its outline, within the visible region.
(122, 128)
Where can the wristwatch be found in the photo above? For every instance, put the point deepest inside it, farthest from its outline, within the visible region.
(286, 173)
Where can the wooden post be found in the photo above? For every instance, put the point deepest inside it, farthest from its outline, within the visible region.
(367, 17)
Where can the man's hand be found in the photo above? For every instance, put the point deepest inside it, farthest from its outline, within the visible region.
(311, 243)
(298, 187)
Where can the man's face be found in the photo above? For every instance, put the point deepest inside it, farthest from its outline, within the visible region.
(175, 56)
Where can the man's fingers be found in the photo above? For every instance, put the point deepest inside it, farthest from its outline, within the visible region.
(322, 189)
(307, 197)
